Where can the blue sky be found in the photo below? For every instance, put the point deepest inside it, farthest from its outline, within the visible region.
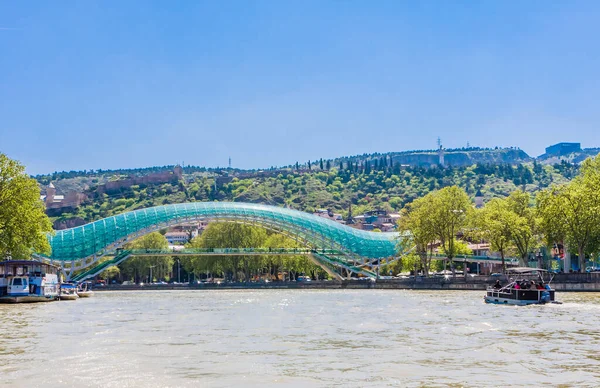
(110, 84)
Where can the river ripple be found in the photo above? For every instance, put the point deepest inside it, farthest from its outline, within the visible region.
(299, 338)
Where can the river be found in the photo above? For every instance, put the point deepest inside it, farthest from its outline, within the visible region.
(299, 338)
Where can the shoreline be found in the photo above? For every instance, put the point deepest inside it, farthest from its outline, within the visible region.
(354, 285)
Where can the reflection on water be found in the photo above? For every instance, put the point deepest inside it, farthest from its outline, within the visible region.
(299, 338)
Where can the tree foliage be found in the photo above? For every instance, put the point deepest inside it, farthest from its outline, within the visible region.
(23, 221)
(450, 209)
(138, 267)
(416, 229)
(492, 224)
(235, 235)
(571, 212)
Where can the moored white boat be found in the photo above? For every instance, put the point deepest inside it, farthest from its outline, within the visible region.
(84, 290)
(68, 291)
(27, 281)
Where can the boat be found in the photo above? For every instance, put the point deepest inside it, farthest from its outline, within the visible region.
(84, 290)
(28, 281)
(68, 291)
(515, 292)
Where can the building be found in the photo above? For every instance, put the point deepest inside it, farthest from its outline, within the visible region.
(177, 237)
(377, 219)
(329, 214)
(52, 200)
(481, 249)
(478, 199)
(562, 149)
(155, 178)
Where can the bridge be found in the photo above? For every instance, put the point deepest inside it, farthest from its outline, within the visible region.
(82, 247)
(338, 249)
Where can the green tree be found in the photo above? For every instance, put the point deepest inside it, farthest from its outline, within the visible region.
(138, 267)
(571, 212)
(449, 207)
(111, 272)
(23, 221)
(417, 230)
(275, 263)
(522, 223)
(232, 235)
(492, 224)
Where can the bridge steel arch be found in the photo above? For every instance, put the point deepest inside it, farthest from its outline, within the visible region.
(80, 247)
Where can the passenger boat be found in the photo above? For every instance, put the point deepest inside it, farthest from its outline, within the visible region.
(514, 293)
(84, 290)
(68, 291)
(28, 281)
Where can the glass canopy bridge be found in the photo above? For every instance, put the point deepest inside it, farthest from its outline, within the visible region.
(82, 247)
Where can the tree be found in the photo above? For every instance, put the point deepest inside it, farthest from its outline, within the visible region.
(23, 221)
(522, 224)
(571, 212)
(274, 263)
(416, 230)
(450, 208)
(138, 267)
(110, 273)
(492, 223)
(232, 235)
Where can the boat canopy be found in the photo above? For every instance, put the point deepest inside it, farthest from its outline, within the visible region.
(525, 270)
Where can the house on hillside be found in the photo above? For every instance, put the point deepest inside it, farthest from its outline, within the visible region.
(52, 200)
(377, 219)
(329, 214)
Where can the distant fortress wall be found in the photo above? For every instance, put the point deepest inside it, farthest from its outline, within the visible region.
(154, 178)
(463, 158)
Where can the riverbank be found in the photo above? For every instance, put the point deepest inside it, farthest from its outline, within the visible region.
(562, 283)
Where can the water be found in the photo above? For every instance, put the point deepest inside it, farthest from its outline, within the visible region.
(299, 338)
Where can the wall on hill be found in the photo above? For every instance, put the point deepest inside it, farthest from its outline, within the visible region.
(464, 158)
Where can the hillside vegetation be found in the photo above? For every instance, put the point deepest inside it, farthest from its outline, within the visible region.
(378, 183)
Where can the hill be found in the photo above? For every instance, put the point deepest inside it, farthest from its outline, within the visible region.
(365, 183)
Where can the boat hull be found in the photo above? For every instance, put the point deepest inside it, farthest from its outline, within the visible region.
(519, 297)
(85, 294)
(513, 302)
(69, 297)
(26, 299)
